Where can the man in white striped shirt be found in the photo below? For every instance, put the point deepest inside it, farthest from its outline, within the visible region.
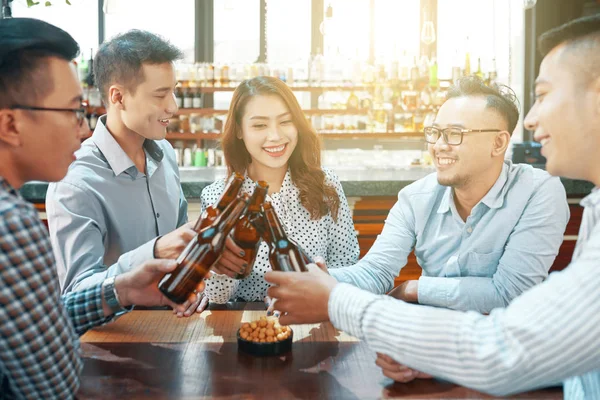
(549, 334)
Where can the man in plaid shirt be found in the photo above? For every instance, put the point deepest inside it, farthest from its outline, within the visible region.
(41, 125)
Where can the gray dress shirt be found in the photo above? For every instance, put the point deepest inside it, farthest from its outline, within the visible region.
(105, 216)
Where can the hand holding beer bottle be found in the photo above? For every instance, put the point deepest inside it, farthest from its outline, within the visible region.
(201, 254)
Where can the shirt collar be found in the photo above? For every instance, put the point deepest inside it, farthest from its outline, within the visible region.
(116, 157)
(445, 203)
(4, 185)
(493, 199)
(592, 199)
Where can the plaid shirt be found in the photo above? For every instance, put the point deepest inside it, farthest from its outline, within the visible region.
(39, 346)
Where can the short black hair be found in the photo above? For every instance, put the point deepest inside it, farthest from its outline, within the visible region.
(25, 44)
(500, 98)
(120, 59)
(582, 36)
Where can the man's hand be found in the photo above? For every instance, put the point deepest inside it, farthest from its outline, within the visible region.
(172, 244)
(302, 297)
(231, 262)
(407, 291)
(140, 286)
(397, 371)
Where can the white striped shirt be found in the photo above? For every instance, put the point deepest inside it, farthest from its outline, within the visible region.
(549, 334)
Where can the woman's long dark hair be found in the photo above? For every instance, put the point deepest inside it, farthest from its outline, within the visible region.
(305, 162)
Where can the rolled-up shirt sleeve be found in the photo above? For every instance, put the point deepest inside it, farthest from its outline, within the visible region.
(377, 270)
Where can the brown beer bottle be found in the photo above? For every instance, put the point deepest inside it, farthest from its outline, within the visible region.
(200, 254)
(229, 193)
(245, 234)
(284, 254)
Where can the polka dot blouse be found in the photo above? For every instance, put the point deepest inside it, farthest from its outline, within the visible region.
(335, 242)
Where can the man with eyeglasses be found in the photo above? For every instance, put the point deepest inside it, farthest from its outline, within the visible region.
(121, 202)
(40, 129)
(480, 226)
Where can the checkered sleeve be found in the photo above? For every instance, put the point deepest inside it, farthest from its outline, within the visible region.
(85, 308)
(39, 348)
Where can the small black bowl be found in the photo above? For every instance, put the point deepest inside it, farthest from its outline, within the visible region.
(265, 349)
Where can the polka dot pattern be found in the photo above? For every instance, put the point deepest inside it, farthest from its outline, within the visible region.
(335, 242)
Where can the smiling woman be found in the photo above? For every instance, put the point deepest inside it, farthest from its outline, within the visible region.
(267, 138)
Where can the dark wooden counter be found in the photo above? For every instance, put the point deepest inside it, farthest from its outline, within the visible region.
(153, 354)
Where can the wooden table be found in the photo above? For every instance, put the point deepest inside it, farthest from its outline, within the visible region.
(153, 354)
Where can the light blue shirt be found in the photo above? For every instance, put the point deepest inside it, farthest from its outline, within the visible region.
(549, 334)
(105, 216)
(506, 246)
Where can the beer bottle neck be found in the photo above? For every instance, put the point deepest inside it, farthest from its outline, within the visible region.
(225, 221)
(257, 199)
(231, 191)
(278, 236)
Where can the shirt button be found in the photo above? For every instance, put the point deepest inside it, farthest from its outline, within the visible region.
(469, 229)
(157, 215)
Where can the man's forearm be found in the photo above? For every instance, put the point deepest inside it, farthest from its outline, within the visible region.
(461, 293)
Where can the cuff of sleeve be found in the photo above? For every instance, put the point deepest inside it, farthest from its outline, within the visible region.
(434, 291)
(338, 274)
(143, 253)
(347, 306)
(334, 273)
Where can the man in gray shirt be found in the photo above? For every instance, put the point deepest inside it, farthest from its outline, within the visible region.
(121, 202)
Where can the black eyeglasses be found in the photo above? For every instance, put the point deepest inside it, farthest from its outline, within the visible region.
(79, 112)
(452, 136)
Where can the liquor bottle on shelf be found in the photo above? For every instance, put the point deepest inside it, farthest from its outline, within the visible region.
(179, 96)
(225, 75)
(433, 73)
(210, 75)
(89, 80)
(419, 118)
(200, 157)
(395, 71)
(456, 70)
(82, 69)
(493, 74)
(414, 72)
(245, 234)
(93, 120)
(197, 99)
(403, 119)
(217, 73)
(479, 72)
(404, 67)
(366, 103)
(317, 72)
(201, 254)
(187, 98)
(467, 68)
(352, 103)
